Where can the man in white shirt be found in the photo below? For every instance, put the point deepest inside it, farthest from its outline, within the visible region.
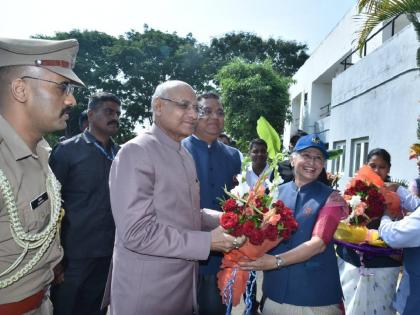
(258, 154)
(405, 234)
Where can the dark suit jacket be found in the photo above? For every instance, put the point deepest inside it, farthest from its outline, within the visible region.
(88, 228)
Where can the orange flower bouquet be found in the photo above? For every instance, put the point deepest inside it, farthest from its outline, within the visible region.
(263, 219)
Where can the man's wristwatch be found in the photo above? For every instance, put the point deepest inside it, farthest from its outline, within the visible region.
(279, 261)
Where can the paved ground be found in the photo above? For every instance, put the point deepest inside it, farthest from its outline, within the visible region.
(239, 310)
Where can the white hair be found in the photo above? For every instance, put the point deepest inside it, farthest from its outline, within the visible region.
(163, 88)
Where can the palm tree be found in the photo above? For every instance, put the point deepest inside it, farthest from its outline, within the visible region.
(374, 12)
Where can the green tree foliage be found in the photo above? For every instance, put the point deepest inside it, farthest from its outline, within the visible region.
(133, 64)
(287, 56)
(98, 71)
(149, 58)
(251, 90)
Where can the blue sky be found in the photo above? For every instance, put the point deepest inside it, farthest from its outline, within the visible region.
(306, 21)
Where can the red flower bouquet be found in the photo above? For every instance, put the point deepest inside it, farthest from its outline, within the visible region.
(258, 223)
(368, 199)
(366, 202)
(263, 219)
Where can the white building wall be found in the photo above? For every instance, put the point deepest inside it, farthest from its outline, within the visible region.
(378, 98)
(334, 48)
(321, 95)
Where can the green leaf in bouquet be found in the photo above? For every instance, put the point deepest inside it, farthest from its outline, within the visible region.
(270, 136)
(223, 199)
(334, 154)
(256, 220)
(267, 200)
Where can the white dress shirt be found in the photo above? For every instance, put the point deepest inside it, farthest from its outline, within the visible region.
(408, 200)
(252, 178)
(403, 233)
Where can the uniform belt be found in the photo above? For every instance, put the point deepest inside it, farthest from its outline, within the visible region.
(21, 307)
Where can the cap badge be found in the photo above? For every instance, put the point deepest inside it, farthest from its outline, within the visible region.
(316, 140)
(52, 63)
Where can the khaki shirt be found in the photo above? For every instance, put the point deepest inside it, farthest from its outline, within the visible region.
(26, 173)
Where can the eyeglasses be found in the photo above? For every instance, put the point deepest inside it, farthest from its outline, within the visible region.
(183, 105)
(318, 159)
(207, 112)
(65, 87)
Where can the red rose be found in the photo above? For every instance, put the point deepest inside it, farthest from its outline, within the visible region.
(292, 224)
(285, 234)
(288, 220)
(374, 210)
(237, 231)
(258, 203)
(285, 212)
(256, 237)
(229, 205)
(350, 191)
(376, 203)
(229, 220)
(248, 227)
(279, 204)
(361, 186)
(271, 232)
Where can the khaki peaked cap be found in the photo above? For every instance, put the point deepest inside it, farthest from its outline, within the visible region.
(58, 56)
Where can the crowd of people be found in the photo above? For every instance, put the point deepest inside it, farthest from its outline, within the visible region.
(90, 227)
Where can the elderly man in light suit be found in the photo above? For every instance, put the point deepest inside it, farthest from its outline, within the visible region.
(155, 202)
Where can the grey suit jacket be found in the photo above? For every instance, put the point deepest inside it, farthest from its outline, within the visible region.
(155, 203)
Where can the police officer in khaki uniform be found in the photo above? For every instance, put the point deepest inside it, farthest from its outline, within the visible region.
(36, 94)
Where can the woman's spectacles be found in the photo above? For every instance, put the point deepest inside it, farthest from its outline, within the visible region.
(316, 158)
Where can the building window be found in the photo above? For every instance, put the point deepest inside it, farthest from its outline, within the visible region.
(339, 163)
(305, 99)
(359, 152)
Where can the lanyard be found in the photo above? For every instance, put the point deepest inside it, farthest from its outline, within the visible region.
(102, 150)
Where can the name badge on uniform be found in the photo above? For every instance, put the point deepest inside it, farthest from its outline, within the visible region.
(39, 200)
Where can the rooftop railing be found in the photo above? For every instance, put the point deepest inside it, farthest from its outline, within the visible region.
(325, 110)
(347, 60)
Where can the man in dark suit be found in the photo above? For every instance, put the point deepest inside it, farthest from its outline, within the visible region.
(217, 164)
(82, 166)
